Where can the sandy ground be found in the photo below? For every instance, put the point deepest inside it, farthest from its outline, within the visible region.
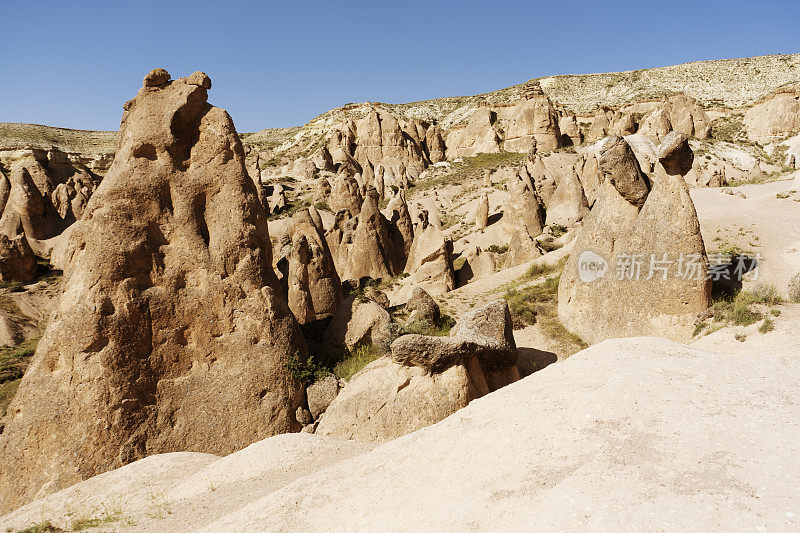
(641, 434)
(761, 223)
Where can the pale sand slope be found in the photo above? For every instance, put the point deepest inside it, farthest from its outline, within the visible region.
(727, 219)
(639, 433)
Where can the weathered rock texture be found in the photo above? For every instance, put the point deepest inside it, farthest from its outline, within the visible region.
(170, 333)
(323, 286)
(426, 378)
(774, 118)
(17, 262)
(625, 235)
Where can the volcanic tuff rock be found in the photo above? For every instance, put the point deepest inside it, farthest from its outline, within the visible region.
(17, 262)
(170, 333)
(654, 255)
(775, 117)
(324, 285)
(426, 378)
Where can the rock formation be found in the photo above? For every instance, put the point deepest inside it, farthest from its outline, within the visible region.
(17, 262)
(482, 212)
(324, 287)
(430, 261)
(392, 396)
(170, 333)
(372, 252)
(639, 264)
(531, 123)
(775, 117)
(568, 205)
(523, 220)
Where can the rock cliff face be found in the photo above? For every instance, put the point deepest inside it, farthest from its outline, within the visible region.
(170, 333)
(774, 118)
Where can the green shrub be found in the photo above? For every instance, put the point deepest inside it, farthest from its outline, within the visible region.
(306, 370)
(766, 326)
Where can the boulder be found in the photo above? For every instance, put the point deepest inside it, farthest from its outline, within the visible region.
(386, 400)
(675, 154)
(620, 166)
(422, 307)
(359, 321)
(170, 333)
(320, 395)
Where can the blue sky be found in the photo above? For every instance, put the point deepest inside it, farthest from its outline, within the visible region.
(274, 64)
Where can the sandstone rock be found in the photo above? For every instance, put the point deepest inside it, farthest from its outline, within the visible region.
(523, 220)
(570, 132)
(532, 123)
(568, 205)
(622, 124)
(422, 307)
(620, 166)
(479, 136)
(656, 125)
(387, 399)
(170, 334)
(28, 209)
(303, 416)
(401, 220)
(320, 395)
(774, 118)
(156, 77)
(324, 285)
(675, 154)
(478, 264)
(430, 261)
(372, 252)
(686, 116)
(17, 262)
(663, 237)
(601, 125)
(345, 194)
(299, 297)
(482, 212)
(359, 321)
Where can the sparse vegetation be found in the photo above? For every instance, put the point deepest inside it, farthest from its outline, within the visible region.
(470, 167)
(440, 328)
(495, 249)
(766, 326)
(728, 128)
(742, 309)
(361, 357)
(13, 363)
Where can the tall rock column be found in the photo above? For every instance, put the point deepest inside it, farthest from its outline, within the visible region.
(170, 334)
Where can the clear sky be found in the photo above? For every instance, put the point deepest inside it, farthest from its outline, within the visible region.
(274, 64)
